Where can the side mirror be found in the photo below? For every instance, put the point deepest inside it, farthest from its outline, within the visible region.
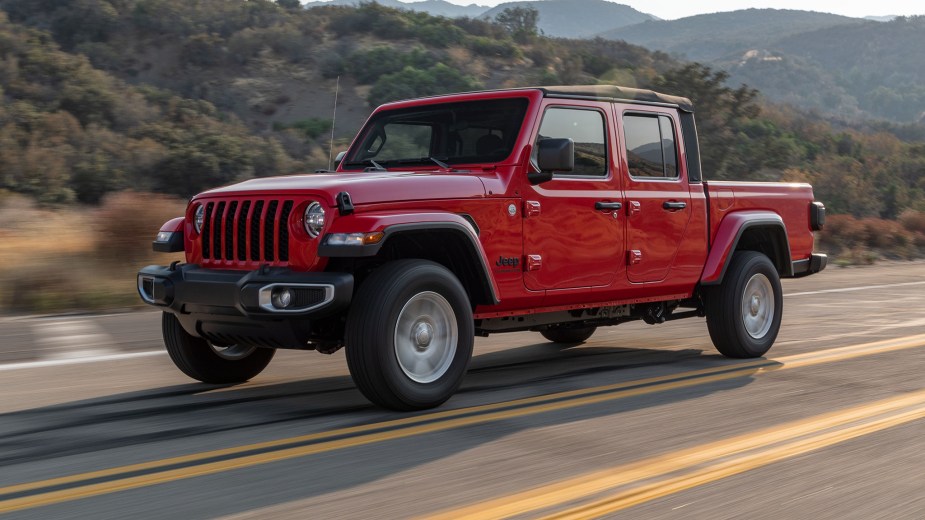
(552, 155)
(339, 158)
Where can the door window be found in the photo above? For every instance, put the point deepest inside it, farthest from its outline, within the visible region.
(650, 146)
(586, 129)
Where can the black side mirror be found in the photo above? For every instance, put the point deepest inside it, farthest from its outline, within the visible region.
(552, 155)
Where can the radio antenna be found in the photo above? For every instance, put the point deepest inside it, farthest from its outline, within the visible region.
(333, 122)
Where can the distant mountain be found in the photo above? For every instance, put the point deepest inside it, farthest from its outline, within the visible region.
(887, 18)
(577, 18)
(708, 37)
(432, 7)
(879, 63)
(847, 67)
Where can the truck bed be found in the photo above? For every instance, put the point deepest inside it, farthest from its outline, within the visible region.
(789, 200)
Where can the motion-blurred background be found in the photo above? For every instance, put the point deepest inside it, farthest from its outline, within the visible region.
(114, 112)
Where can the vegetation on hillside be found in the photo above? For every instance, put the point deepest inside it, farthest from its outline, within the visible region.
(174, 97)
(839, 66)
(69, 132)
(707, 37)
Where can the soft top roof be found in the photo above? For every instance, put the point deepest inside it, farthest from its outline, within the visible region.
(595, 92)
(613, 92)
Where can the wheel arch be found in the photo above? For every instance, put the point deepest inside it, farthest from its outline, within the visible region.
(459, 251)
(763, 232)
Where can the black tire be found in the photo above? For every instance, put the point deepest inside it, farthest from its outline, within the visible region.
(745, 325)
(196, 358)
(568, 336)
(406, 309)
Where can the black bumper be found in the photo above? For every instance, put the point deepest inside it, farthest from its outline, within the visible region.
(230, 307)
(815, 263)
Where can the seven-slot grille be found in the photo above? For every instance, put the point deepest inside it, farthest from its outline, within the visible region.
(242, 231)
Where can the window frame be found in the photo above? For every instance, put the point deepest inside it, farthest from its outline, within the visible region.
(674, 130)
(608, 170)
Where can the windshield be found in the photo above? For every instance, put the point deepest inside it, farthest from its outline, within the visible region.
(451, 133)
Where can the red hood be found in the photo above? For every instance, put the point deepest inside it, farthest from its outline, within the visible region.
(364, 188)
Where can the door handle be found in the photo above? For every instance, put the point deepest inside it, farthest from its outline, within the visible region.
(607, 205)
(674, 206)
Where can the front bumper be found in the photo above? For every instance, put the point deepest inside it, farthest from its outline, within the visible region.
(229, 307)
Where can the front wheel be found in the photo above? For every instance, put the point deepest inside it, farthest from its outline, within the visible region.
(744, 312)
(209, 363)
(409, 335)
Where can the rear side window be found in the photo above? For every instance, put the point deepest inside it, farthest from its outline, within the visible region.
(650, 146)
(586, 128)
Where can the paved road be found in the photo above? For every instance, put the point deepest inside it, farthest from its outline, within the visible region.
(640, 422)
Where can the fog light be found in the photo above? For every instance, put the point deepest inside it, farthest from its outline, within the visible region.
(281, 298)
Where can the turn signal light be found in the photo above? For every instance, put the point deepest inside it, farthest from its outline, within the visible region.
(354, 239)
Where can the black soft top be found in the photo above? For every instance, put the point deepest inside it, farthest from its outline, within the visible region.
(613, 93)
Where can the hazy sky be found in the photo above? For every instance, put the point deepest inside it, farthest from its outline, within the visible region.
(670, 9)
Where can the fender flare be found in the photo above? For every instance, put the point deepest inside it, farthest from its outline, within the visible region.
(392, 225)
(727, 240)
(170, 237)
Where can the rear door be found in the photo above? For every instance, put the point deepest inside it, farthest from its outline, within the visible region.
(658, 201)
(568, 242)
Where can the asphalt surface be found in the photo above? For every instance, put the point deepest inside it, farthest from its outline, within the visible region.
(640, 422)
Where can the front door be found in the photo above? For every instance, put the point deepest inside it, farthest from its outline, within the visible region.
(573, 228)
(658, 201)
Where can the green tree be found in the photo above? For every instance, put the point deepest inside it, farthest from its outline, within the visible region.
(520, 22)
(721, 111)
(411, 82)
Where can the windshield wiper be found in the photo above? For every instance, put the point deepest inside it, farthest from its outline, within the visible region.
(440, 163)
(376, 167)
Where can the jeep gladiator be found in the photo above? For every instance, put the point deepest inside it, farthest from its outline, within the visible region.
(554, 209)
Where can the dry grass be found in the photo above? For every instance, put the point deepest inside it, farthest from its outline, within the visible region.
(78, 258)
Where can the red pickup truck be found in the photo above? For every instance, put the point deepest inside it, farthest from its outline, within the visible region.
(556, 210)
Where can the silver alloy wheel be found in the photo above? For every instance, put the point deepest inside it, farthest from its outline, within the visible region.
(233, 352)
(425, 337)
(758, 306)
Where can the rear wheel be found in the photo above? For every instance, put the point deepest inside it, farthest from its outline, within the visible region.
(744, 312)
(568, 336)
(409, 335)
(209, 363)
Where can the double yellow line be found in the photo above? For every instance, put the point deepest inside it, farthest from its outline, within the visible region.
(639, 482)
(84, 485)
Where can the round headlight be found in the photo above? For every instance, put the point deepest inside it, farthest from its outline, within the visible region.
(314, 219)
(200, 217)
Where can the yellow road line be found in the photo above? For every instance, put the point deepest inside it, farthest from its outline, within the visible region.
(410, 426)
(726, 469)
(904, 408)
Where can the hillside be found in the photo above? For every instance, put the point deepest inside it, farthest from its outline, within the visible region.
(259, 75)
(844, 67)
(431, 7)
(709, 37)
(881, 64)
(577, 18)
(178, 96)
(557, 18)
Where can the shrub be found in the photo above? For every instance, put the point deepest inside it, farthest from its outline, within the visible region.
(844, 234)
(368, 66)
(913, 220)
(490, 47)
(412, 82)
(310, 128)
(128, 221)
